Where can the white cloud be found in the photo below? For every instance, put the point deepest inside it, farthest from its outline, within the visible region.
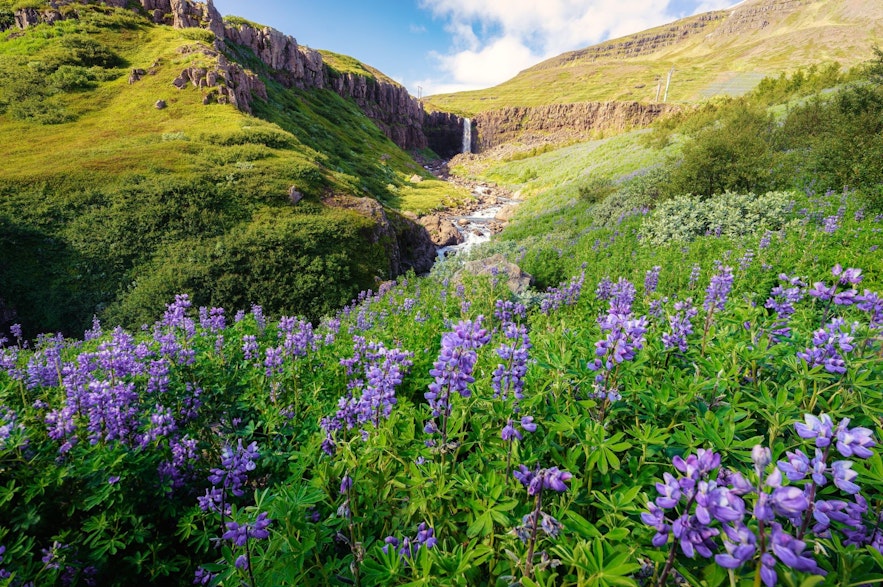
(492, 40)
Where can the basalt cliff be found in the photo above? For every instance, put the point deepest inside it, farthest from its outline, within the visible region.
(399, 115)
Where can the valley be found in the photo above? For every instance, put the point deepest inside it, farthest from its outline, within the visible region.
(268, 319)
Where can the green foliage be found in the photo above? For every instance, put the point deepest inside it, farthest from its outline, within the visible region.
(731, 215)
(772, 90)
(733, 154)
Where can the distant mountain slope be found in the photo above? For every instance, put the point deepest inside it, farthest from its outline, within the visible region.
(726, 51)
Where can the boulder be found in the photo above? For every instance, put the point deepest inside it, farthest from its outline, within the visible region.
(294, 195)
(516, 280)
(160, 104)
(505, 214)
(442, 231)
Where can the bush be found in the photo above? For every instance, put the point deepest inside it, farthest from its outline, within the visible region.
(734, 155)
(687, 217)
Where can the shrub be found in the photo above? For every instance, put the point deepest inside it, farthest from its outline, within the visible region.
(734, 155)
(687, 217)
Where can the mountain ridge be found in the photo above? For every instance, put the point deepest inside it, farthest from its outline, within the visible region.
(739, 46)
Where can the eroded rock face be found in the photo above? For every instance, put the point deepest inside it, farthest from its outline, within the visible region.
(399, 115)
(444, 133)
(227, 83)
(562, 121)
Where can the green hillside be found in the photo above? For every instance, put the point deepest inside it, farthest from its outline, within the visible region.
(700, 348)
(722, 52)
(109, 204)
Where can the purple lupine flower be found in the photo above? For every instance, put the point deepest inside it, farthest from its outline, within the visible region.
(240, 534)
(375, 372)
(409, 547)
(695, 272)
(624, 337)
(538, 479)
(681, 326)
(507, 311)
(212, 319)
(781, 301)
(236, 464)
(250, 347)
(745, 261)
(854, 442)
(453, 370)
(819, 428)
(792, 552)
(719, 289)
(829, 345)
(604, 289)
(871, 303)
(509, 377)
(260, 320)
(273, 362)
(830, 224)
(765, 240)
(565, 294)
(651, 280)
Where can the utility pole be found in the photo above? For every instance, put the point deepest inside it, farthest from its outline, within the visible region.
(667, 82)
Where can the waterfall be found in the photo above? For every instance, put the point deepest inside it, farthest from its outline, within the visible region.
(467, 136)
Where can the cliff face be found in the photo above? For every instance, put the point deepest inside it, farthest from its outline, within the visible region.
(561, 121)
(755, 16)
(399, 115)
(643, 43)
(444, 133)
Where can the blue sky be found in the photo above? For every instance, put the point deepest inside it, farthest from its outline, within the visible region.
(455, 45)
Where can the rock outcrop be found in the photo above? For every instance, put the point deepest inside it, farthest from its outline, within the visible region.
(497, 266)
(225, 83)
(441, 230)
(407, 243)
(559, 122)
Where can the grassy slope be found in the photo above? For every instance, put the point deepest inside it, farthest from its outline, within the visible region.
(819, 32)
(122, 189)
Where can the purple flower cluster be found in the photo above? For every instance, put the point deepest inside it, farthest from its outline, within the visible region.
(566, 294)
(241, 534)
(829, 344)
(409, 547)
(298, 336)
(718, 289)
(236, 463)
(375, 373)
(695, 272)
(4, 574)
(508, 311)
(625, 336)
(781, 301)
(9, 426)
(681, 326)
(537, 479)
(453, 372)
(703, 512)
(651, 280)
(829, 293)
(508, 377)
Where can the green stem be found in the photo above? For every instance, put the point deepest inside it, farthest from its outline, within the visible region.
(535, 522)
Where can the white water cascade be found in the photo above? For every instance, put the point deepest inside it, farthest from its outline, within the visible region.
(467, 136)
